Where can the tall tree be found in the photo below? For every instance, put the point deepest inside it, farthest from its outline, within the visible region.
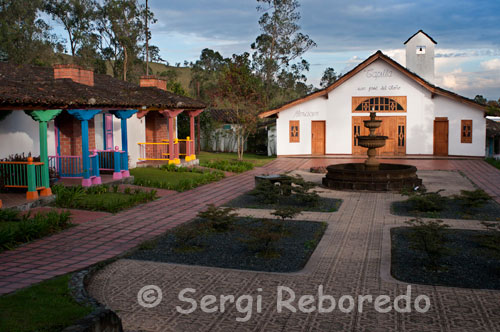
(121, 26)
(281, 41)
(240, 90)
(77, 17)
(329, 77)
(205, 73)
(24, 36)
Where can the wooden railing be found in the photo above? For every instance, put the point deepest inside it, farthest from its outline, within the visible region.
(154, 151)
(22, 174)
(67, 166)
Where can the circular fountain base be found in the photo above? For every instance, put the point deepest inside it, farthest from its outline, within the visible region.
(355, 176)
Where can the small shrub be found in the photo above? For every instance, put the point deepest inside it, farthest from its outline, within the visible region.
(473, 199)
(428, 202)
(218, 218)
(266, 192)
(127, 191)
(115, 188)
(9, 215)
(491, 240)
(235, 166)
(148, 245)
(67, 196)
(288, 212)
(262, 239)
(428, 237)
(186, 239)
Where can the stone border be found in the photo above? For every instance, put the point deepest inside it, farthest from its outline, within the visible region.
(385, 260)
(101, 318)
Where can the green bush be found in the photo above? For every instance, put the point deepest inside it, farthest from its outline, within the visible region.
(186, 238)
(266, 192)
(262, 239)
(218, 218)
(427, 201)
(100, 198)
(32, 228)
(235, 166)
(288, 212)
(492, 239)
(428, 237)
(9, 215)
(473, 199)
(161, 177)
(493, 162)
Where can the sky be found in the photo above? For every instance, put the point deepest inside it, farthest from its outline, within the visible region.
(347, 32)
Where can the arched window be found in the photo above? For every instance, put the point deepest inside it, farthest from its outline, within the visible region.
(379, 104)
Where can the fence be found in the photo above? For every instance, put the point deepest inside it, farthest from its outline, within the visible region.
(154, 151)
(22, 174)
(67, 166)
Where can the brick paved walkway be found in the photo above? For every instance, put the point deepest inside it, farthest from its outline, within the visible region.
(94, 241)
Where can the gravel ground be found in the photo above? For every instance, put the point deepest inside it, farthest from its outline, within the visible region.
(228, 251)
(467, 265)
(452, 210)
(325, 204)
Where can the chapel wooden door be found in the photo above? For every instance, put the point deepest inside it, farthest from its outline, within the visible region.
(318, 137)
(441, 136)
(394, 127)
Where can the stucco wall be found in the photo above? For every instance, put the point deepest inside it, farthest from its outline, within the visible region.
(19, 134)
(379, 79)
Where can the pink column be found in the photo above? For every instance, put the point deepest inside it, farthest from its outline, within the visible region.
(173, 155)
(192, 115)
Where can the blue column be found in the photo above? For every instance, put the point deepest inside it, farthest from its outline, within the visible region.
(123, 115)
(84, 116)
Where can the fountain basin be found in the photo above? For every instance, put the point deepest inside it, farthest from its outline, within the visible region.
(356, 176)
(372, 141)
(372, 123)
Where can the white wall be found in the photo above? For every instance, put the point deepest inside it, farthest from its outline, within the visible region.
(136, 132)
(19, 134)
(379, 79)
(421, 64)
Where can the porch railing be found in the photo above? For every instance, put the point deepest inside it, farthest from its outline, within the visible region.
(106, 159)
(22, 174)
(186, 148)
(154, 151)
(67, 166)
(94, 165)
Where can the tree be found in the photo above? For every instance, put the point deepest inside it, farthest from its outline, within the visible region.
(280, 43)
(205, 73)
(240, 90)
(329, 77)
(121, 25)
(76, 16)
(24, 36)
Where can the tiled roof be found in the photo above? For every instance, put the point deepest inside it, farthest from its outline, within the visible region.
(32, 87)
(222, 116)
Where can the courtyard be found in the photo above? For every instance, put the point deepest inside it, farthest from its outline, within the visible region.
(352, 258)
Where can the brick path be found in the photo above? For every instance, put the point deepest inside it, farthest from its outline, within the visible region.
(94, 241)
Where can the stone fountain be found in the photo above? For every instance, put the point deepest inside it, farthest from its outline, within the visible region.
(371, 175)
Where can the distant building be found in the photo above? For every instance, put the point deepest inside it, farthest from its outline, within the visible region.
(418, 117)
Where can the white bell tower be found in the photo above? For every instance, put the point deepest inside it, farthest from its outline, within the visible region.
(420, 55)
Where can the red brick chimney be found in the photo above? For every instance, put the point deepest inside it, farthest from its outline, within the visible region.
(147, 81)
(75, 73)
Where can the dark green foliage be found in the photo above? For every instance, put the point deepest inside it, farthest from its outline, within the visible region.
(428, 237)
(492, 239)
(303, 191)
(473, 198)
(493, 162)
(266, 192)
(262, 240)
(29, 228)
(287, 212)
(100, 198)
(219, 219)
(427, 201)
(9, 215)
(235, 166)
(187, 238)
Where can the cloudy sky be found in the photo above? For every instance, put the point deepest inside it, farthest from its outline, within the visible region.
(347, 32)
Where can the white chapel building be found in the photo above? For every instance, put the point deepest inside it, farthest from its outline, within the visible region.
(418, 117)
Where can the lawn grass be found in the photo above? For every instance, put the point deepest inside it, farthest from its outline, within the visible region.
(47, 306)
(100, 198)
(256, 160)
(494, 162)
(179, 180)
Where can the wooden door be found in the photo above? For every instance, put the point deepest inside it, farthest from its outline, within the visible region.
(318, 137)
(394, 127)
(441, 136)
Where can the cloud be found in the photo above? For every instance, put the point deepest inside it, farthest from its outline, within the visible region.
(493, 64)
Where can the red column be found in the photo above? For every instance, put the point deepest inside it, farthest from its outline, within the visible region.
(173, 155)
(192, 115)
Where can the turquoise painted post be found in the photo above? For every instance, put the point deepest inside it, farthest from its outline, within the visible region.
(123, 115)
(84, 116)
(44, 116)
(31, 179)
(85, 154)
